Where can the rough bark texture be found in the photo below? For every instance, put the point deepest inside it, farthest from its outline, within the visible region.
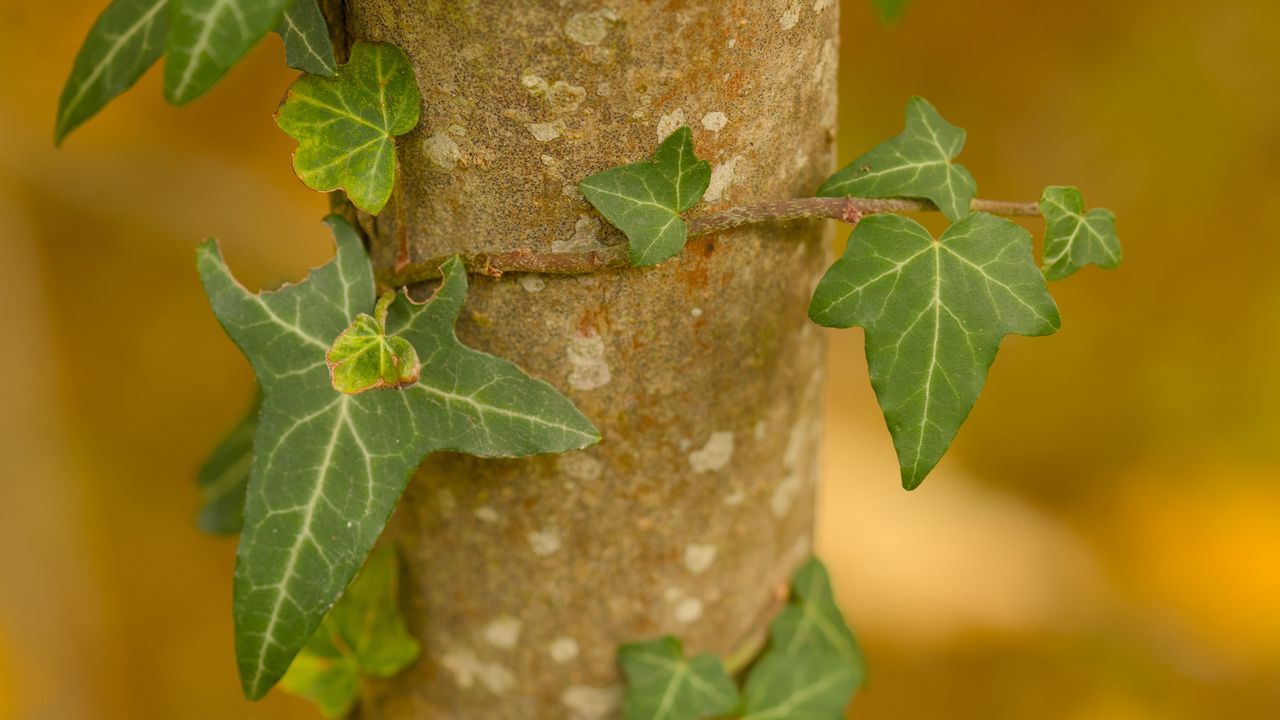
(703, 373)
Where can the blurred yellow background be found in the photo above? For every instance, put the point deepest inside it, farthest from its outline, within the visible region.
(1103, 542)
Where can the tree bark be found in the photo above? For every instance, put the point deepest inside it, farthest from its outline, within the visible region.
(703, 373)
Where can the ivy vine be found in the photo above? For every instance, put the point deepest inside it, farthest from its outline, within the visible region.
(356, 389)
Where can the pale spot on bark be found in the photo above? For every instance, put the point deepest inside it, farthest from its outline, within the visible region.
(466, 668)
(503, 632)
(484, 513)
(737, 497)
(586, 359)
(672, 594)
(696, 312)
(546, 132)
(442, 151)
(580, 466)
(698, 557)
(586, 236)
(531, 283)
(670, 122)
(759, 430)
(733, 42)
(535, 84)
(563, 649)
(784, 495)
(591, 703)
(544, 542)
(791, 15)
(589, 28)
(714, 455)
(821, 5)
(688, 611)
(565, 98)
(722, 176)
(715, 121)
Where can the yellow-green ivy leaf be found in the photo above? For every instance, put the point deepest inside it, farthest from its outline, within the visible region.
(664, 685)
(329, 467)
(225, 475)
(1074, 238)
(364, 635)
(644, 200)
(307, 46)
(813, 665)
(365, 357)
(207, 37)
(346, 125)
(914, 164)
(935, 312)
(127, 39)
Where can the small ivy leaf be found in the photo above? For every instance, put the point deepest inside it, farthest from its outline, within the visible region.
(346, 125)
(364, 635)
(365, 357)
(663, 685)
(934, 314)
(225, 475)
(1075, 238)
(914, 164)
(329, 467)
(644, 200)
(890, 11)
(127, 39)
(210, 36)
(307, 46)
(813, 664)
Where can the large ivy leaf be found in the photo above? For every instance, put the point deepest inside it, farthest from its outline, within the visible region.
(664, 685)
(1074, 238)
(329, 467)
(346, 125)
(208, 37)
(644, 200)
(364, 635)
(305, 32)
(934, 313)
(914, 164)
(813, 664)
(127, 39)
(225, 475)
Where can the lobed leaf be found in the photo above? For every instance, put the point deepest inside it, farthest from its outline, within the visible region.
(346, 125)
(328, 467)
(225, 475)
(813, 664)
(305, 32)
(914, 164)
(1075, 238)
(126, 39)
(664, 685)
(364, 635)
(208, 37)
(934, 314)
(365, 357)
(644, 200)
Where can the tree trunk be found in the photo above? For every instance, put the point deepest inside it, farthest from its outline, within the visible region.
(703, 373)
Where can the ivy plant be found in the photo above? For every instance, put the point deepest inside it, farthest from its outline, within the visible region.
(356, 387)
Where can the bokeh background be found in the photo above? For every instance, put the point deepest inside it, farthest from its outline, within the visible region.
(1102, 543)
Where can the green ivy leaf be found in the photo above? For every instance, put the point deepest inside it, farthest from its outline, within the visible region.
(934, 313)
(663, 685)
(644, 200)
(127, 39)
(329, 467)
(364, 635)
(346, 125)
(208, 37)
(1075, 238)
(813, 664)
(914, 164)
(365, 357)
(225, 475)
(890, 11)
(305, 32)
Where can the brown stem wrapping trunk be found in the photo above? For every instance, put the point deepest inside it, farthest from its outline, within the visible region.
(703, 373)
